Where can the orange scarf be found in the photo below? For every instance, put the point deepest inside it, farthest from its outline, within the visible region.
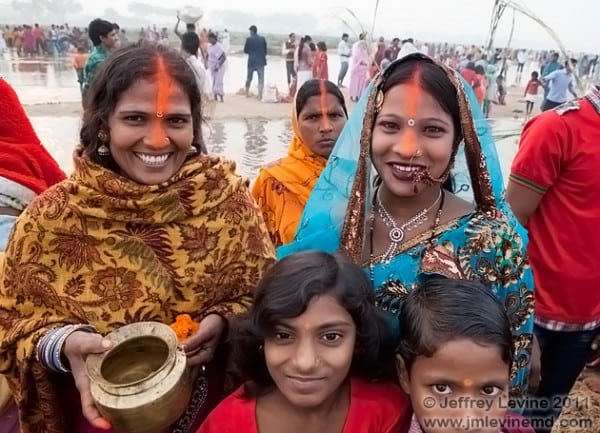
(283, 187)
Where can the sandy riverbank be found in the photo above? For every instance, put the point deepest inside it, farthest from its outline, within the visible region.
(239, 107)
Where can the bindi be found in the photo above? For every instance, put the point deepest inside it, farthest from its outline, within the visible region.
(163, 94)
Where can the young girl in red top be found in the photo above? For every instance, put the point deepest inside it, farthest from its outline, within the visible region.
(316, 352)
(455, 360)
(320, 67)
(531, 91)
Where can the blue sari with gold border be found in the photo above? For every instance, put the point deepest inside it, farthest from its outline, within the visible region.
(487, 245)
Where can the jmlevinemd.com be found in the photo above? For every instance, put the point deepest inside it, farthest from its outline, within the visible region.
(469, 423)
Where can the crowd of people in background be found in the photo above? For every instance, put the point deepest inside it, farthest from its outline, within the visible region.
(343, 305)
(550, 84)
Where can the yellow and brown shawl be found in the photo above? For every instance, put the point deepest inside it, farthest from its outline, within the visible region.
(100, 249)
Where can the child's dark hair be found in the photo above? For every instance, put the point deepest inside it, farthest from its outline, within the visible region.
(535, 75)
(285, 292)
(442, 310)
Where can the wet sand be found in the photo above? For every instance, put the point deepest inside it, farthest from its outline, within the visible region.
(584, 406)
(238, 107)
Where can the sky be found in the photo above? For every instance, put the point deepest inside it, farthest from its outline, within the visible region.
(575, 21)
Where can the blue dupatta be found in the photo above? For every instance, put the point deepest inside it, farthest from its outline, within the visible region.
(488, 245)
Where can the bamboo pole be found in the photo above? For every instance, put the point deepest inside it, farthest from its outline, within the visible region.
(519, 7)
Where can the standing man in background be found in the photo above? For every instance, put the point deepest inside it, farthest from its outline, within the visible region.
(256, 48)
(344, 51)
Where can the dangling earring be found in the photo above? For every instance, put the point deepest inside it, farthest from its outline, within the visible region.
(103, 149)
(261, 349)
(192, 150)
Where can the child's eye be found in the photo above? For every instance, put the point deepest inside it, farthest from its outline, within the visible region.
(491, 391)
(441, 388)
(282, 336)
(332, 337)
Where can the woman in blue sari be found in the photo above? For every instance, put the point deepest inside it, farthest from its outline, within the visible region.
(387, 197)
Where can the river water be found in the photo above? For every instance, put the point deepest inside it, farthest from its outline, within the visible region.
(250, 142)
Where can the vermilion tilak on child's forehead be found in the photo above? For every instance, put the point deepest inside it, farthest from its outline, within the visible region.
(325, 118)
(163, 94)
(413, 96)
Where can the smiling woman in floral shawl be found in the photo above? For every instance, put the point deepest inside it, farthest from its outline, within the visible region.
(404, 221)
(145, 229)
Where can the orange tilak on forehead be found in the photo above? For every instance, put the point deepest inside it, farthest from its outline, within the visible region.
(163, 94)
(325, 118)
(413, 96)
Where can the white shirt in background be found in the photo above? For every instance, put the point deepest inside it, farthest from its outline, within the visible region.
(344, 51)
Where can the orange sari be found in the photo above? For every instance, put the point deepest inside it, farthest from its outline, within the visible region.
(282, 187)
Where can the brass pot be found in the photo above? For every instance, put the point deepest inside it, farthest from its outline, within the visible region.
(143, 384)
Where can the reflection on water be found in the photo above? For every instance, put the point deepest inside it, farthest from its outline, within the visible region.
(250, 143)
(55, 80)
(47, 81)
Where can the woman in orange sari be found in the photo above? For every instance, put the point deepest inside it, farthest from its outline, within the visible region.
(282, 187)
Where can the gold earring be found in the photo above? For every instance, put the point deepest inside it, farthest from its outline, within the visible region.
(103, 136)
(378, 101)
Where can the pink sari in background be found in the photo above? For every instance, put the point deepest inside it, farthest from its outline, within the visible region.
(216, 65)
(359, 69)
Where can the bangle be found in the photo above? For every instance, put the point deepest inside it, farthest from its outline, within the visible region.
(58, 352)
(44, 341)
(50, 346)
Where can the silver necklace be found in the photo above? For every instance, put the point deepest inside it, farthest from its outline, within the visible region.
(397, 233)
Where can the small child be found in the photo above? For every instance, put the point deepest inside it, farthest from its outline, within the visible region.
(320, 67)
(455, 359)
(501, 89)
(531, 93)
(79, 60)
(315, 350)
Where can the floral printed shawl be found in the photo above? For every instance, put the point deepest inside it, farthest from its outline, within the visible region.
(98, 248)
